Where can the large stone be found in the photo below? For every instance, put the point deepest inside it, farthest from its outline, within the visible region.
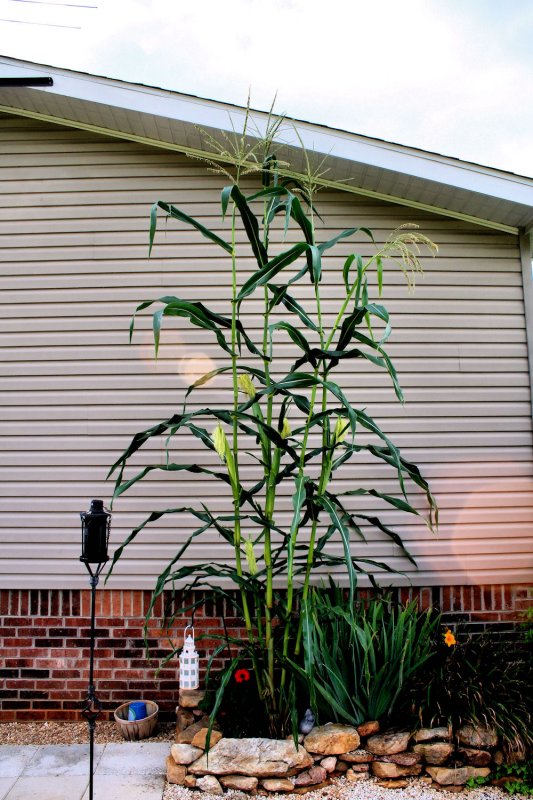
(199, 739)
(209, 784)
(386, 744)
(368, 728)
(186, 736)
(456, 776)
(175, 772)
(429, 734)
(358, 757)
(311, 776)
(261, 758)
(386, 769)
(191, 698)
(435, 753)
(405, 759)
(241, 782)
(476, 758)
(477, 736)
(332, 739)
(277, 785)
(185, 754)
(329, 763)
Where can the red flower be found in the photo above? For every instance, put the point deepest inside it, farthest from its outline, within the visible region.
(242, 675)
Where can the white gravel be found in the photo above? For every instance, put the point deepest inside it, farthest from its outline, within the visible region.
(363, 790)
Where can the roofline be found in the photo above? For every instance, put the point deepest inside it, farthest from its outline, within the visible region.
(354, 148)
(199, 154)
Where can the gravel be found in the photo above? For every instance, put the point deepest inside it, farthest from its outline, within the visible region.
(363, 790)
(71, 733)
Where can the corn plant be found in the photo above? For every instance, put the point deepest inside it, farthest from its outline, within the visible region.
(303, 425)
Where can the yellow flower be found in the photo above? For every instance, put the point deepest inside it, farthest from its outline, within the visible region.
(449, 638)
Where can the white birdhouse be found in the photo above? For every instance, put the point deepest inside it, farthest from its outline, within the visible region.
(189, 662)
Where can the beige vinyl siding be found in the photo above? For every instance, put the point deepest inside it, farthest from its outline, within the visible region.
(73, 230)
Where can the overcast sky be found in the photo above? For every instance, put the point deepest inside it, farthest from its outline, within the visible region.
(451, 76)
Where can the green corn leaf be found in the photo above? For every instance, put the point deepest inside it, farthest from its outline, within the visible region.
(337, 521)
(174, 212)
(264, 275)
(280, 295)
(343, 235)
(250, 223)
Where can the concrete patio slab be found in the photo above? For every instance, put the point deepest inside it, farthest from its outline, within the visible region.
(14, 758)
(62, 759)
(134, 758)
(5, 785)
(51, 787)
(130, 787)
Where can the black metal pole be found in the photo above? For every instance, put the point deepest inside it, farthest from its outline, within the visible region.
(92, 707)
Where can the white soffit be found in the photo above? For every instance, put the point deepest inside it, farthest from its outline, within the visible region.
(354, 163)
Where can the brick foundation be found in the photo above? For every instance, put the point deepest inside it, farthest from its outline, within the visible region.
(44, 642)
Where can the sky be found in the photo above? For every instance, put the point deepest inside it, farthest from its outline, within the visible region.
(450, 76)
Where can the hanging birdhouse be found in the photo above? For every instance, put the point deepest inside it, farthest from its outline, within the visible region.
(189, 662)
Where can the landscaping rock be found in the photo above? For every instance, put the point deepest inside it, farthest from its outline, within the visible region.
(476, 758)
(184, 753)
(387, 744)
(329, 763)
(477, 736)
(199, 738)
(405, 759)
(191, 698)
(358, 757)
(175, 772)
(332, 739)
(429, 734)
(315, 787)
(368, 728)
(189, 781)
(311, 776)
(277, 785)
(456, 776)
(397, 784)
(342, 766)
(241, 782)
(187, 735)
(386, 769)
(353, 776)
(498, 758)
(435, 752)
(360, 767)
(261, 758)
(183, 719)
(209, 784)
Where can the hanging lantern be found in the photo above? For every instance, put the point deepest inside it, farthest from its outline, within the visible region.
(189, 662)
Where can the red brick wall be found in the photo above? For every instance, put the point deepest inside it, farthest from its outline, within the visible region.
(44, 643)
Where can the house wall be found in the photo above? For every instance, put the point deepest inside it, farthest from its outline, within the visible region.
(74, 229)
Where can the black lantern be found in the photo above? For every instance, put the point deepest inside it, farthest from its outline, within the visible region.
(95, 527)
